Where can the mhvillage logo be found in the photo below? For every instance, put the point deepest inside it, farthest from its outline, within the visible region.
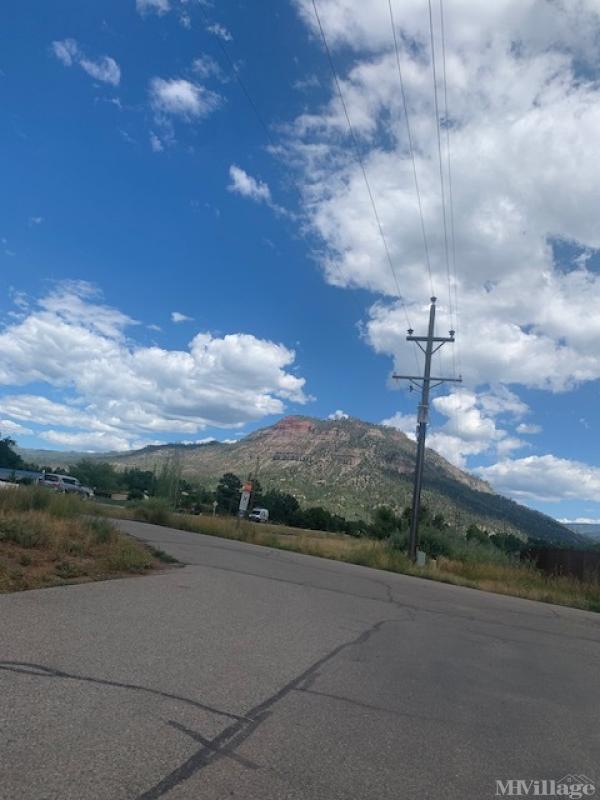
(573, 787)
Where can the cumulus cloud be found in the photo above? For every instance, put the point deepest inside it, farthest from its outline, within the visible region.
(177, 316)
(104, 69)
(546, 478)
(339, 414)
(182, 98)
(73, 344)
(9, 427)
(523, 120)
(89, 442)
(475, 424)
(407, 423)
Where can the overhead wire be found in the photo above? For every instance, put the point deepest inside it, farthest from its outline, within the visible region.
(450, 192)
(411, 149)
(360, 161)
(440, 161)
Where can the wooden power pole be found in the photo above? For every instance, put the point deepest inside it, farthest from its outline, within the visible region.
(426, 382)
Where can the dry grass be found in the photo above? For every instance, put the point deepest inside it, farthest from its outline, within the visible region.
(516, 579)
(44, 541)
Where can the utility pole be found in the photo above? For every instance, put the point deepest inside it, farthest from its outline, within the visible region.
(426, 383)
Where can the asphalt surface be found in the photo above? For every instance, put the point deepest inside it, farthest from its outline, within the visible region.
(254, 673)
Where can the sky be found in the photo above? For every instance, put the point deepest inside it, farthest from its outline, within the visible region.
(201, 230)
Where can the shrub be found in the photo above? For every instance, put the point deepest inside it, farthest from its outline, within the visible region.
(22, 531)
(102, 530)
(65, 569)
(153, 510)
(127, 556)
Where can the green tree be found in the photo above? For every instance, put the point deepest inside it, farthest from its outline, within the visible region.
(8, 458)
(283, 507)
(228, 493)
(257, 498)
(508, 542)
(99, 475)
(385, 522)
(475, 534)
(137, 481)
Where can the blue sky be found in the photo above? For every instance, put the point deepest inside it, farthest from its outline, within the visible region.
(139, 183)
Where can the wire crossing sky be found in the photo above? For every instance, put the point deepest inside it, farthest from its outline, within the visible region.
(191, 248)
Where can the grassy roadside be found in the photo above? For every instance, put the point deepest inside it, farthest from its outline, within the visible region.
(45, 541)
(510, 578)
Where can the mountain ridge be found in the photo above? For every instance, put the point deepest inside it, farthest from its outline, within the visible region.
(349, 467)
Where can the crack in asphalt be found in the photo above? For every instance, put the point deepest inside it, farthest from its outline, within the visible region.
(232, 737)
(40, 671)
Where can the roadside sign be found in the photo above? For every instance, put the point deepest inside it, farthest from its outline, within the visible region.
(244, 501)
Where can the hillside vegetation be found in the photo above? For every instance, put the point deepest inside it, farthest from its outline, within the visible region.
(349, 467)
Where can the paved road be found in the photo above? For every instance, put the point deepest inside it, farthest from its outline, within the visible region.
(253, 673)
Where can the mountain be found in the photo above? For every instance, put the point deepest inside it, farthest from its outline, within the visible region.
(349, 467)
(59, 458)
(589, 529)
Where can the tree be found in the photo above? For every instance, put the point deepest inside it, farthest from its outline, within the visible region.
(508, 542)
(257, 498)
(385, 522)
(317, 518)
(228, 493)
(137, 481)
(8, 458)
(99, 475)
(282, 507)
(475, 534)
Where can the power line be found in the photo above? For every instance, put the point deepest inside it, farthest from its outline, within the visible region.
(450, 193)
(411, 148)
(439, 144)
(236, 73)
(360, 160)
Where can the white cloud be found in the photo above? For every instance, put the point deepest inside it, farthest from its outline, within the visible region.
(9, 427)
(36, 220)
(77, 346)
(156, 144)
(182, 98)
(206, 67)
(159, 7)
(90, 442)
(339, 414)
(66, 51)
(185, 21)
(524, 113)
(103, 69)
(177, 316)
(221, 31)
(247, 186)
(546, 478)
(581, 521)
(473, 424)
(524, 428)
(407, 423)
